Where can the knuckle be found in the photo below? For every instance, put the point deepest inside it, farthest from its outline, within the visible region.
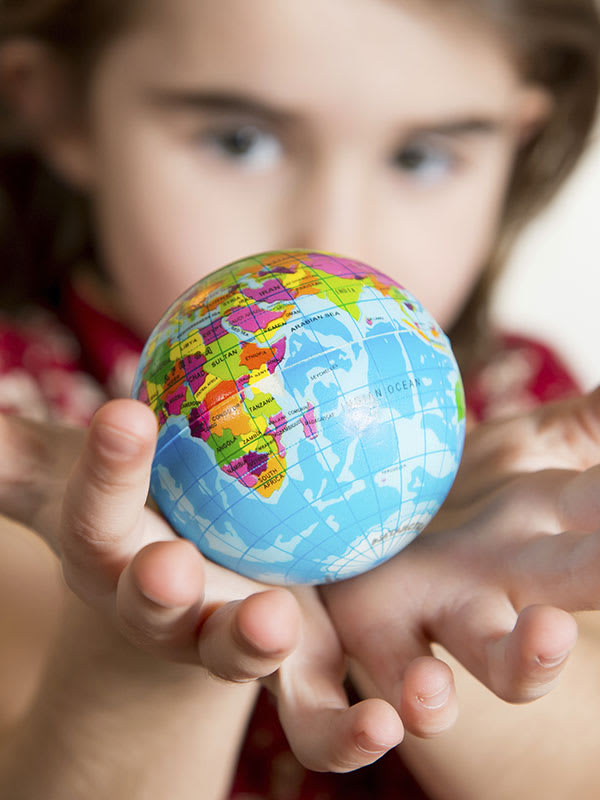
(106, 478)
(82, 531)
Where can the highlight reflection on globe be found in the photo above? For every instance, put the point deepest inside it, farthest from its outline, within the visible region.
(311, 416)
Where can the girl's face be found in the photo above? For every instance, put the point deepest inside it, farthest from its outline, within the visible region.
(364, 127)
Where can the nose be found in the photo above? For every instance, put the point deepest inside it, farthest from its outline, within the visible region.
(331, 207)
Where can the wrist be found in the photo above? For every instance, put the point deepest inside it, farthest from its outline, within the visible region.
(111, 721)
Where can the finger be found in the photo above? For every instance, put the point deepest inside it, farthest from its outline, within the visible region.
(324, 732)
(428, 703)
(248, 639)
(563, 435)
(557, 499)
(104, 500)
(578, 501)
(393, 659)
(337, 737)
(519, 658)
(159, 599)
(418, 685)
(527, 662)
(561, 569)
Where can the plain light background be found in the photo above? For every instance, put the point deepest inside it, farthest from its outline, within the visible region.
(551, 288)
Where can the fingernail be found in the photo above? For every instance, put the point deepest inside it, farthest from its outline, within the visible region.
(367, 745)
(435, 700)
(553, 661)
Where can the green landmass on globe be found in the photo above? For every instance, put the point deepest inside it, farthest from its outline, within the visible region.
(311, 416)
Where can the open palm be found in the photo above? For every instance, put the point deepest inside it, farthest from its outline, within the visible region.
(514, 549)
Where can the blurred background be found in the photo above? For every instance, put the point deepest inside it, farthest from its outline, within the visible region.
(551, 288)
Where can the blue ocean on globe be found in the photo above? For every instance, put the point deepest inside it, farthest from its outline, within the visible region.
(311, 416)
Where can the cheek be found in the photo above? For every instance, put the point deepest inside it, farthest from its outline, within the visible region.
(161, 230)
(448, 246)
(439, 265)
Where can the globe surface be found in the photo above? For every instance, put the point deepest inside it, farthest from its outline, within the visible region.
(311, 416)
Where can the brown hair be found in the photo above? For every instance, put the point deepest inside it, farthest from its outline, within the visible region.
(43, 226)
(557, 46)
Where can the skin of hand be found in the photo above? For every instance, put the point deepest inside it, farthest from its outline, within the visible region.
(493, 578)
(308, 681)
(125, 563)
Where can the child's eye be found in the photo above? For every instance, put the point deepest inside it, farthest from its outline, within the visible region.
(248, 145)
(425, 161)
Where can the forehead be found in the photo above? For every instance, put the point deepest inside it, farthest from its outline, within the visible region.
(421, 57)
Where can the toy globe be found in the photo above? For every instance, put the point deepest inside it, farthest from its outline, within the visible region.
(311, 416)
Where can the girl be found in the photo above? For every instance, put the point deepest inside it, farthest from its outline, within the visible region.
(417, 137)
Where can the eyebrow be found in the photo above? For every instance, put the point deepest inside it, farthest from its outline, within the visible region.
(217, 101)
(457, 126)
(463, 126)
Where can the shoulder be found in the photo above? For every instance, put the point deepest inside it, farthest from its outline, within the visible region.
(517, 374)
(41, 375)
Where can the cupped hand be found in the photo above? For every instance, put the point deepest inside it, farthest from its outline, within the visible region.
(121, 557)
(494, 577)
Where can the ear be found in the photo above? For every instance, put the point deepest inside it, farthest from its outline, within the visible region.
(535, 107)
(37, 90)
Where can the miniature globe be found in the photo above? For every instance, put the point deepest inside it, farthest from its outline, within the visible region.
(311, 416)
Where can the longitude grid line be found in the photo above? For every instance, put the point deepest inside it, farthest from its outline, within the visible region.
(194, 326)
(422, 486)
(282, 471)
(181, 430)
(422, 414)
(414, 372)
(249, 309)
(260, 434)
(324, 353)
(444, 455)
(333, 533)
(388, 404)
(275, 277)
(242, 398)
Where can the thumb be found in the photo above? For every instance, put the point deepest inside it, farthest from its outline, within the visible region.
(102, 521)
